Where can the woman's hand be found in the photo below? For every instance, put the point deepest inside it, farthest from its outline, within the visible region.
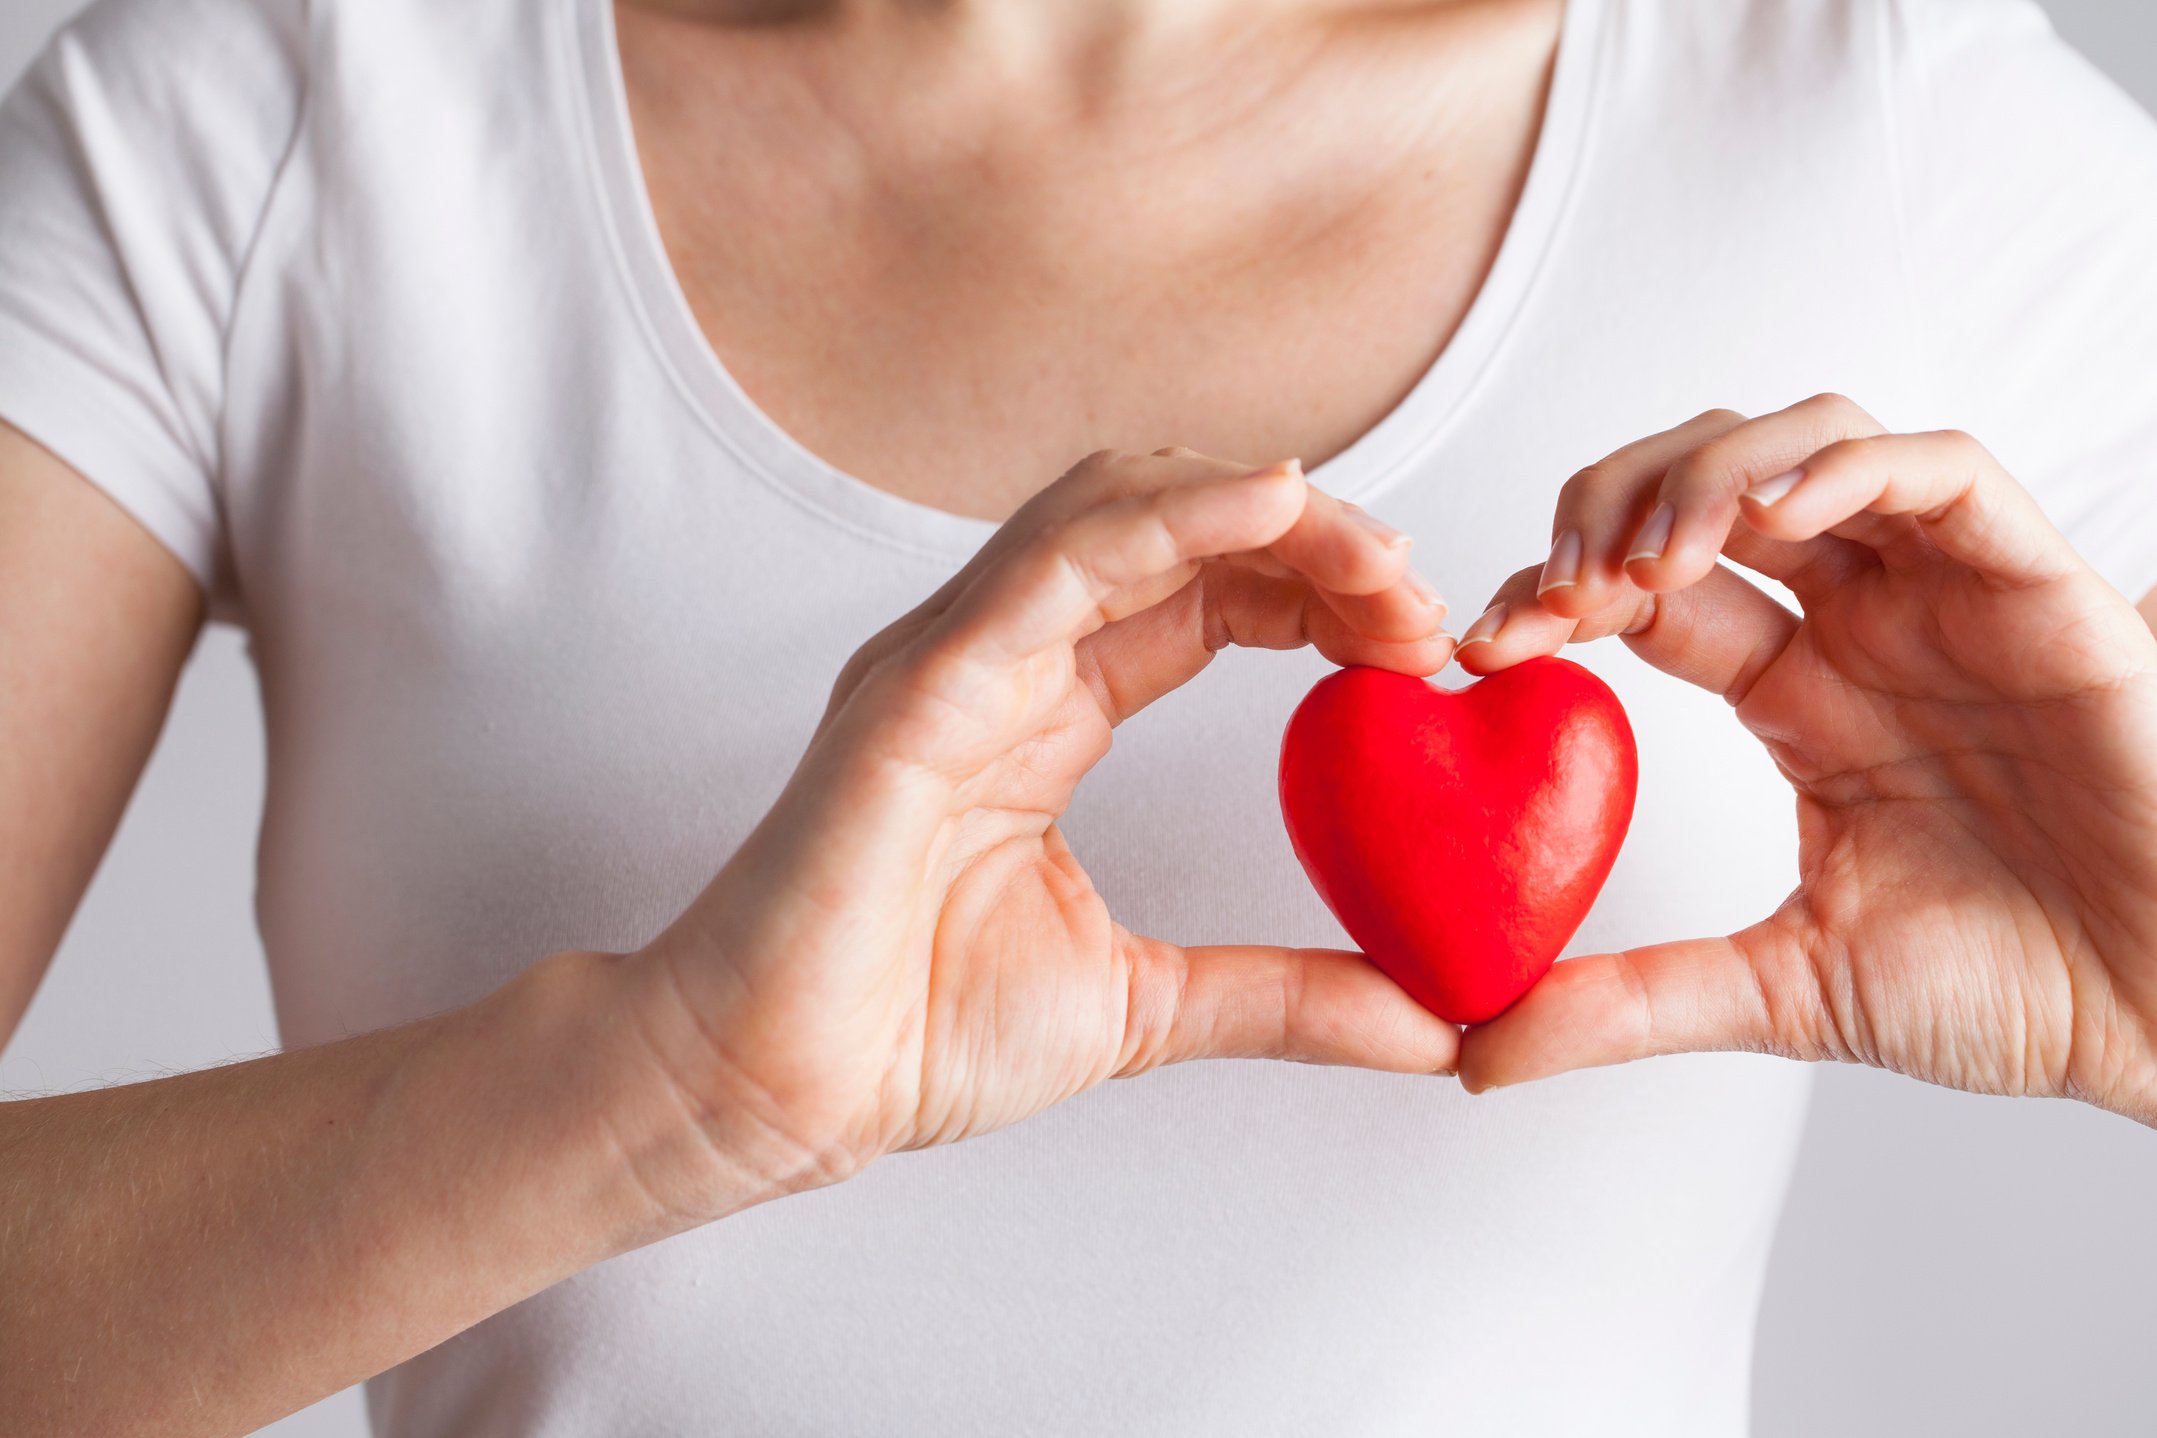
(1968, 715)
(906, 953)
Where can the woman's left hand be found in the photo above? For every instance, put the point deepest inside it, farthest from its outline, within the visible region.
(1968, 714)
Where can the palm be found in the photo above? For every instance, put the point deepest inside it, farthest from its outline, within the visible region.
(1968, 716)
(1025, 980)
(982, 982)
(1959, 751)
(914, 952)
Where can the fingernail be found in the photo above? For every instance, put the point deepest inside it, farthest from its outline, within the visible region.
(1654, 536)
(1387, 535)
(1485, 629)
(1420, 587)
(1563, 566)
(1767, 491)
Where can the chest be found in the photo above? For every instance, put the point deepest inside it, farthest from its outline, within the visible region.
(956, 317)
(543, 625)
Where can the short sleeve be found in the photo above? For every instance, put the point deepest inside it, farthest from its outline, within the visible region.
(2030, 183)
(137, 156)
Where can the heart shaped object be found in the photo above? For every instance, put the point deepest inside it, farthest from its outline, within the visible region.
(1460, 836)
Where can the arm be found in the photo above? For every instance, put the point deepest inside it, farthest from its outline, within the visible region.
(96, 620)
(330, 1211)
(904, 953)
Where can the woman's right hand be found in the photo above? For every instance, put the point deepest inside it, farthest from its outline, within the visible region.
(905, 952)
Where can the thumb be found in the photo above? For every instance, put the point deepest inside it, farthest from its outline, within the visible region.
(1321, 1006)
(1752, 992)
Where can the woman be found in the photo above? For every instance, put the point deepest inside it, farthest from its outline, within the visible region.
(560, 393)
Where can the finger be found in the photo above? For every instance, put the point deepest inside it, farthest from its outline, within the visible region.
(1133, 662)
(1321, 1006)
(1599, 508)
(1408, 610)
(1333, 637)
(1069, 578)
(1360, 566)
(1359, 562)
(1720, 633)
(1927, 494)
(1342, 547)
(1692, 519)
(1752, 992)
(1098, 478)
(1516, 625)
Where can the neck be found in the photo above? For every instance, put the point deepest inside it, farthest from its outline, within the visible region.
(1096, 42)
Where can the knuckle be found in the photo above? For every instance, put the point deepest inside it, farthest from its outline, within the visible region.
(1157, 981)
(1109, 475)
(921, 702)
(935, 669)
(1713, 466)
(1592, 480)
(1056, 551)
(1175, 451)
(1639, 1000)
(1718, 416)
(1094, 464)
(1053, 532)
(1519, 585)
(946, 695)
(1857, 452)
(877, 653)
(854, 670)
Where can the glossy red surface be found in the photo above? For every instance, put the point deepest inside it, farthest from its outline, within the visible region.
(1460, 837)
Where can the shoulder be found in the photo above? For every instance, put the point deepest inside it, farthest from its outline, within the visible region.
(1947, 24)
(1822, 41)
(200, 93)
(227, 60)
(159, 49)
(1918, 90)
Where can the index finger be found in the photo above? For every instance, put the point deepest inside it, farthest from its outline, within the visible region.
(1068, 578)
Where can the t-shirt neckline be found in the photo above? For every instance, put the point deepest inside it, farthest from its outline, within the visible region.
(1400, 442)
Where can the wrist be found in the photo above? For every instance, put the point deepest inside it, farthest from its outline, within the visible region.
(576, 1026)
(637, 1066)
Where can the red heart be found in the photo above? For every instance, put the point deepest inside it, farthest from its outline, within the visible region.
(1460, 837)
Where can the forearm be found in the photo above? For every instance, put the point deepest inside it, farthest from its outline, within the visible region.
(203, 1253)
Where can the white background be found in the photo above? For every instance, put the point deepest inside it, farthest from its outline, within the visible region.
(1947, 1265)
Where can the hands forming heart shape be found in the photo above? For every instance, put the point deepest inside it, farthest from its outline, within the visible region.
(1967, 714)
(906, 952)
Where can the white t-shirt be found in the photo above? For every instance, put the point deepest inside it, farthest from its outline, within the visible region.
(361, 309)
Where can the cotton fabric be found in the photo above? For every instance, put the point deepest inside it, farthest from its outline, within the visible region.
(359, 307)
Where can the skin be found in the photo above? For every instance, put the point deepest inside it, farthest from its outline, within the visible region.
(1966, 713)
(904, 953)
(346, 1207)
(1247, 228)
